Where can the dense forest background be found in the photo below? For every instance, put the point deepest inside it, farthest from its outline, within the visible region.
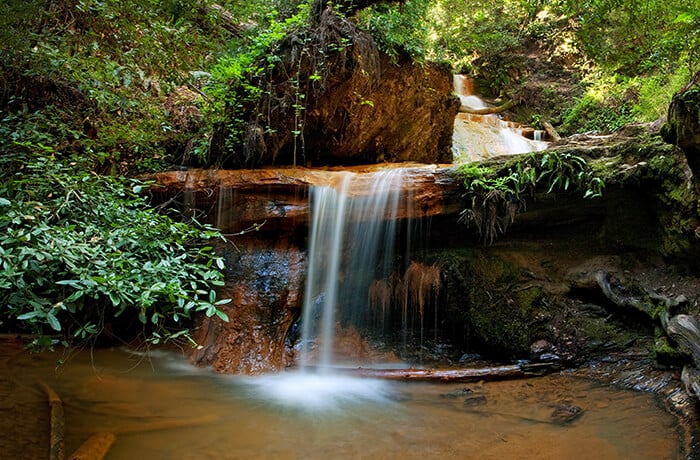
(97, 93)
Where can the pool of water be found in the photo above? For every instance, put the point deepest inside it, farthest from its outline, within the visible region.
(159, 407)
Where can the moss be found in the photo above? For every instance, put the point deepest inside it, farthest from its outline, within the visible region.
(501, 316)
(664, 353)
(528, 298)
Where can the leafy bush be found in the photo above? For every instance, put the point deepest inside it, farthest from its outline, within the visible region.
(605, 107)
(78, 250)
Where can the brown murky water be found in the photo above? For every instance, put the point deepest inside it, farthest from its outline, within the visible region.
(160, 408)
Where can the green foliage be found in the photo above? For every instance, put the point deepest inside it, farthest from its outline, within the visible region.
(635, 36)
(236, 88)
(478, 38)
(612, 101)
(605, 107)
(495, 197)
(110, 62)
(399, 29)
(655, 93)
(79, 250)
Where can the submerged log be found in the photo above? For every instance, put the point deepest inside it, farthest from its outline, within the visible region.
(56, 447)
(509, 372)
(95, 448)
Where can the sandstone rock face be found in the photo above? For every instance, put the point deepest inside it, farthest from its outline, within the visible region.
(528, 295)
(405, 114)
(237, 199)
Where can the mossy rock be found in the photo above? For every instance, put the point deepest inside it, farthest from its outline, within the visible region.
(486, 307)
(682, 127)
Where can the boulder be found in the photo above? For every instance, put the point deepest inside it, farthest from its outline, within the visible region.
(334, 98)
(682, 126)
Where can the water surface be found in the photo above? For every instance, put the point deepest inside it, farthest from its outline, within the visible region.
(159, 407)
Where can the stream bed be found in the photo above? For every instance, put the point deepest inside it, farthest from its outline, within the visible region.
(160, 407)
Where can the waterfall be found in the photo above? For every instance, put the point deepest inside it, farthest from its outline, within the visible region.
(351, 243)
(478, 137)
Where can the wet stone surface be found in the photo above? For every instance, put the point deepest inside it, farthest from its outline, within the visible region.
(566, 412)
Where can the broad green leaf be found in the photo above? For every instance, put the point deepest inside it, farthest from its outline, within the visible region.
(222, 315)
(29, 315)
(53, 322)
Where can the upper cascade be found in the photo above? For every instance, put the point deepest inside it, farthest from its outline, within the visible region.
(479, 136)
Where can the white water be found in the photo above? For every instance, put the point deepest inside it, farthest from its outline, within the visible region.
(480, 137)
(351, 243)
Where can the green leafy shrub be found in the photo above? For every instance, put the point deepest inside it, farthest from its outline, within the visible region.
(399, 29)
(605, 107)
(78, 250)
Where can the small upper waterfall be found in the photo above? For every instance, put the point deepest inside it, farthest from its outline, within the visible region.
(351, 243)
(480, 136)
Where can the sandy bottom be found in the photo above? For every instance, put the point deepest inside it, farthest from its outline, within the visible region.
(159, 407)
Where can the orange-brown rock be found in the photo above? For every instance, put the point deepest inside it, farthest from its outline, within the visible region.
(333, 97)
(236, 199)
(265, 283)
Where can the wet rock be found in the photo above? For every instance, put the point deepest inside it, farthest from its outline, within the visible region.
(682, 127)
(565, 413)
(685, 331)
(540, 346)
(467, 357)
(475, 400)
(462, 392)
(234, 200)
(549, 357)
(264, 282)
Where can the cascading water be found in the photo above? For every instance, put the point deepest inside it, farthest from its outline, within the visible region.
(352, 237)
(351, 243)
(481, 136)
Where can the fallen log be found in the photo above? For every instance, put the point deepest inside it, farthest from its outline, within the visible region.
(487, 110)
(549, 129)
(509, 372)
(58, 423)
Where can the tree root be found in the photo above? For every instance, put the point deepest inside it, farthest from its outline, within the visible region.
(95, 448)
(682, 329)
